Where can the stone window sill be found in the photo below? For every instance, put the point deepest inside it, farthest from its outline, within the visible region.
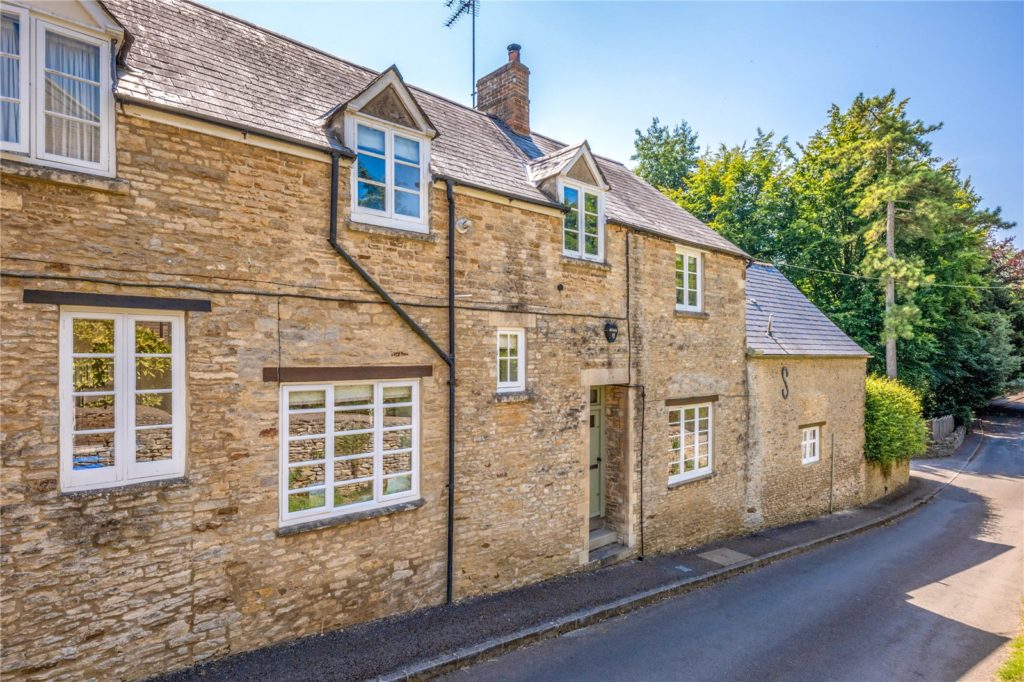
(131, 488)
(64, 177)
(694, 314)
(357, 225)
(513, 397)
(345, 519)
(695, 479)
(583, 262)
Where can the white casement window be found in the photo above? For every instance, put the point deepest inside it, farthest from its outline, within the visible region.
(14, 89)
(583, 224)
(122, 397)
(689, 280)
(55, 94)
(348, 447)
(810, 444)
(389, 177)
(511, 360)
(690, 428)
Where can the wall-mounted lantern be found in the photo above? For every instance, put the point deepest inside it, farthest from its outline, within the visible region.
(611, 331)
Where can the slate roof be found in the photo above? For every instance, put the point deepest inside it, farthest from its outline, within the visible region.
(798, 327)
(195, 60)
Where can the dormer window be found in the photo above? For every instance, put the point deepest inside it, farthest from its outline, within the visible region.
(390, 135)
(582, 227)
(389, 176)
(56, 105)
(573, 175)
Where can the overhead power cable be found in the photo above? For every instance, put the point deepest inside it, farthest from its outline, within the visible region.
(877, 279)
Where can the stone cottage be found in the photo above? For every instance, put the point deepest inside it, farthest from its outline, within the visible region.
(290, 344)
(805, 384)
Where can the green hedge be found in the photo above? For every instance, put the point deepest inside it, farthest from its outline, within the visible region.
(893, 426)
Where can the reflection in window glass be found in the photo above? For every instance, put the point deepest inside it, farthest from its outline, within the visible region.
(690, 448)
(367, 458)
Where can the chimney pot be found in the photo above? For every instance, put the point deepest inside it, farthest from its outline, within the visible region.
(513, 52)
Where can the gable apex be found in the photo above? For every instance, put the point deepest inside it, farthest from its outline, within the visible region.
(389, 99)
(575, 162)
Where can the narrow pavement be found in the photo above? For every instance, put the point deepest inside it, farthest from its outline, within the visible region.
(933, 597)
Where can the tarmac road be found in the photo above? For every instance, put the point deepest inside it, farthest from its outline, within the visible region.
(933, 597)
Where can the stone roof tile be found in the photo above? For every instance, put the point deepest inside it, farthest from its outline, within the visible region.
(797, 326)
(194, 59)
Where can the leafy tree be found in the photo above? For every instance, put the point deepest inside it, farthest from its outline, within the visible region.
(744, 193)
(820, 211)
(666, 157)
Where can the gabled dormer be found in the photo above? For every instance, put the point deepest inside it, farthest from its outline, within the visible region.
(390, 134)
(571, 176)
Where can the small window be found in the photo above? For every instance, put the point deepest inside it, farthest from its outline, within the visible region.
(13, 81)
(389, 178)
(511, 360)
(122, 398)
(690, 429)
(810, 444)
(582, 229)
(348, 447)
(688, 280)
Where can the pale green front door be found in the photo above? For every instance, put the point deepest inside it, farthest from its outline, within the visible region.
(596, 451)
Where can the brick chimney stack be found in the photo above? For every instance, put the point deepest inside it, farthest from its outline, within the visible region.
(505, 93)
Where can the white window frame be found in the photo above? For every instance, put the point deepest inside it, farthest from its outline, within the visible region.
(388, 218)
(583, 189)
(31, 149)
(24, 94)
(686, 254)
(697, 471)
(39, 90)
(379, 500)
(125, 470)
(519, 383)
(810, 444)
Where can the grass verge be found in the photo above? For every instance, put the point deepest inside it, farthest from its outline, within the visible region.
(1013, 669)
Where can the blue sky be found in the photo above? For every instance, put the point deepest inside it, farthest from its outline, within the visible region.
(599, 70)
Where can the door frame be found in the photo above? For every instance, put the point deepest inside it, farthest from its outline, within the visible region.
(596, 409)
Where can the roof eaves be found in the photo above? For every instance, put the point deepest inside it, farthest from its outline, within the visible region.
(191, 113)
(501, 193)
(754, 353)
(679, 240)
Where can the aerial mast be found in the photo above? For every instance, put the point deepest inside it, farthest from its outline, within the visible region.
(461, 8)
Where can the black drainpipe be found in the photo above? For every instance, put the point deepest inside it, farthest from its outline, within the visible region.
(449, 357)
(449, 575)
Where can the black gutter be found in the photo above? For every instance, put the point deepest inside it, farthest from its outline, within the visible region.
(450, 567)
(449, 357)
(333, 239)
